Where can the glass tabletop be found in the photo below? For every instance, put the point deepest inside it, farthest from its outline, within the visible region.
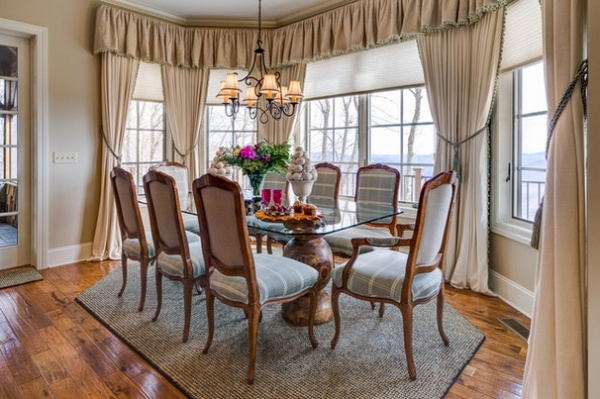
(339, 215)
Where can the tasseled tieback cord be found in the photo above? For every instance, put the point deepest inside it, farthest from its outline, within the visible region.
(580, 75)
(118, 157)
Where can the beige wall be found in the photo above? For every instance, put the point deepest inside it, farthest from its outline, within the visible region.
(593, 200)
(73, 109)
(513, 260)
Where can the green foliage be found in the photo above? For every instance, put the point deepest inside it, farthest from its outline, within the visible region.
(259, 158)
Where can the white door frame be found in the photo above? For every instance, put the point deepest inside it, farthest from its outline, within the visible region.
(38, 37)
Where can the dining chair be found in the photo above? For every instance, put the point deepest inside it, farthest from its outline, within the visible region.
(180, 173)
(376, 185)
(237, 277)
(136, 243)
(178, 252)
(404, 280)
(325, 192)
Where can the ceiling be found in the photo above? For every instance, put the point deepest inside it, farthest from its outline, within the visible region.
(241, 13)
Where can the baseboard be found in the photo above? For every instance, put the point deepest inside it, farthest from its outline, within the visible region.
(512, 293)
(69, 254)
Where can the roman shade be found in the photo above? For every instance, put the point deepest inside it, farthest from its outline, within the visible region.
(522, 34)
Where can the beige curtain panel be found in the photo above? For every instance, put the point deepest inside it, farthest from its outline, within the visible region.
(118, 75)
(280, 131)
(460, 67)
(355, 26)
(556, 358)
(185, 97)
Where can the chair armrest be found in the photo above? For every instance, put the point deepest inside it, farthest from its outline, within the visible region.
(380, 242)
(391, 242)
(401, 228)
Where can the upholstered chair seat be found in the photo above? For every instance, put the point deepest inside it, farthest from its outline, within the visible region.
(340, 242)
(380, 274)
(173, 263)
(277, 278)
(132, 246)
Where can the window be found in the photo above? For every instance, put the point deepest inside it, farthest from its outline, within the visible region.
(333, 136)
(518, 151)
(392, 127)
(529, 140)
(144, 142)
(401, 135)
(225, 131)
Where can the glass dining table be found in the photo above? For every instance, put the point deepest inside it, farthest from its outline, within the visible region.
(307, 244)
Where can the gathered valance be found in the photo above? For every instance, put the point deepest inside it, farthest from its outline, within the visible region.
(358, 25)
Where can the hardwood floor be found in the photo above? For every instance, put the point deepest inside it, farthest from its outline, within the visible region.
(51, 347)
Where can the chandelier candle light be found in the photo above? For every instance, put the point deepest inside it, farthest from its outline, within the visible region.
(280, 100)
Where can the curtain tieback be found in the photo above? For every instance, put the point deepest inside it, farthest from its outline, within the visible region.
(580, 75)
(185, 155)
(110, 149)
(456, 145)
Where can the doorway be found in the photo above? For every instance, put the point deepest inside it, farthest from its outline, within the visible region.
(15, 152)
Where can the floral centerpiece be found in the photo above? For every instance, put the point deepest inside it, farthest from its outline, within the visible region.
(256, 160)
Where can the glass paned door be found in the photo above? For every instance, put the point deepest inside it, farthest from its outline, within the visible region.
(15, 229)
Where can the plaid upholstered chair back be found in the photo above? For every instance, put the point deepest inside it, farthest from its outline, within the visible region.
(327, 185)
(376, 185)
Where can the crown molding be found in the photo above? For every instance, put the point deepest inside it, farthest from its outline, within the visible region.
(312, 11)
(229, 23)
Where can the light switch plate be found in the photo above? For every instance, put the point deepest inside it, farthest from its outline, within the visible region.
(64, 157)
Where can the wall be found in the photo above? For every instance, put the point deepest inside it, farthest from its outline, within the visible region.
(73, 109)
(593, 197)
(512, 272)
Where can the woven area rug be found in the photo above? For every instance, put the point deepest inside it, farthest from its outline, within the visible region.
(369, 360)
(19, 276)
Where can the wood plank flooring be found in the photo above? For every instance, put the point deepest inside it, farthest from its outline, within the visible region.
(51, 347)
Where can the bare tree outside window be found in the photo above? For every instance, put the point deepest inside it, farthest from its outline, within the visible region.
(333, 136)
(401, 135)
(225, 131)
(144, 141)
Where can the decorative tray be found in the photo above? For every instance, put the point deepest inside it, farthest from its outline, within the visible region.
(269, 217)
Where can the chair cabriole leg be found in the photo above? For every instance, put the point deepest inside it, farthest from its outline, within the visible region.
(124, 269)
(158, 294)
(335, 293)
(440, 315)
(407, 321)
(210, 314)
(253, 316)
(144, 283)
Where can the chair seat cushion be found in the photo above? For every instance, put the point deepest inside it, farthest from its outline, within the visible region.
(380, 274)
(340, 242)
(173, 264)
(132, 247)
(277, 277)
(190, 223)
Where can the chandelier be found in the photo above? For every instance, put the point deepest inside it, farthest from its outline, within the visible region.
(262, 84)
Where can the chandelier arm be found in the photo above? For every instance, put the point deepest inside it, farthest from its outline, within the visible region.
(287, 110)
